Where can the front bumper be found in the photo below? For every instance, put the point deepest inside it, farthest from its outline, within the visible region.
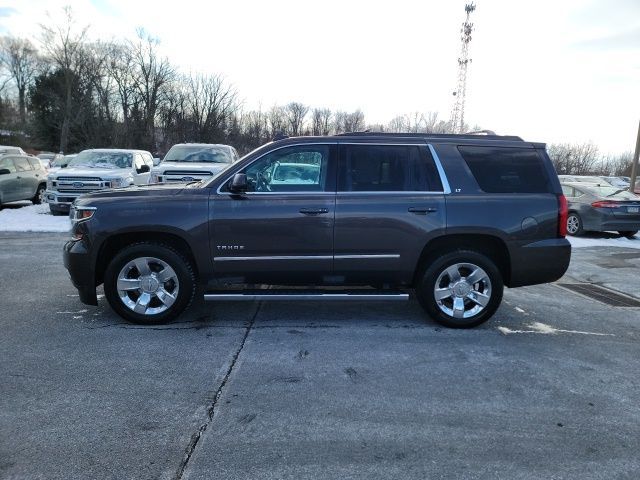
(79, 264)
(60, 201)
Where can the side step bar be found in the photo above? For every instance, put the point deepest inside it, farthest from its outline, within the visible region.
(307, 295)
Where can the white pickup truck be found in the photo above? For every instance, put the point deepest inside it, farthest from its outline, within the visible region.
(188, 162)
(93, 170)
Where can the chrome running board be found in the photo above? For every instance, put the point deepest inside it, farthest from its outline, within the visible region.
(308, 295)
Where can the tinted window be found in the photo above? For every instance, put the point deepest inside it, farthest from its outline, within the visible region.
(507, 170)
(22, 164)
(387, 168)
(7, 163)
(293, 169)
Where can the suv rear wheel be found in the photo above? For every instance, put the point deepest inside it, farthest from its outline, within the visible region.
(461, 289)
(149, 283)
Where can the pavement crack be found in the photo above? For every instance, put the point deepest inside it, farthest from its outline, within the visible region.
(211, 409)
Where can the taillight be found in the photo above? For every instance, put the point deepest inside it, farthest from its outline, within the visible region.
(563, 213)
(605, 204)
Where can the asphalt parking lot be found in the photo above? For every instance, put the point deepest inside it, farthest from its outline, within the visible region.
(548, 388)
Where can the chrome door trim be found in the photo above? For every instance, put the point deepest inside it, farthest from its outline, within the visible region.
(367, 257)
(443, 176)
(308, 257)
(274, 257)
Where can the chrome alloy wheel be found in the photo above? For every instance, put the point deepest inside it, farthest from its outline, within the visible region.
(573, 224)
(42, 195)
(462, 290)
(148, 285)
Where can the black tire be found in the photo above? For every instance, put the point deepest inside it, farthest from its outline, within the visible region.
(576, 229)
(628, 233)
(182, 267)
(37, 198)
(425, 290)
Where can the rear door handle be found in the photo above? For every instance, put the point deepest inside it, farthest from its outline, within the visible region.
(314, 211)
(422, 210)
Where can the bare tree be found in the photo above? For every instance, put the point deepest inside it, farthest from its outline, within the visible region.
(153, 74)
(321, 121)
(63, 43)
(212, 103)
(296, 113)
(277, 120)
(20, 59)
(573, 159)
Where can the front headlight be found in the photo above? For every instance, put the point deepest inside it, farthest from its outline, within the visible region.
(117, 182)
(49, 184)
(81, 214)
(154, 178)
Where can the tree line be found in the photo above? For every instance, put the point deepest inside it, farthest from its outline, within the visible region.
(71, 92)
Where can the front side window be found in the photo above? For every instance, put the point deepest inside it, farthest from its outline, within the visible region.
(387, 168)
(7, 164)
(568, 191)
(292, 169)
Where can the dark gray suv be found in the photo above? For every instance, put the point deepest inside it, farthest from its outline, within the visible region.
(451, 218)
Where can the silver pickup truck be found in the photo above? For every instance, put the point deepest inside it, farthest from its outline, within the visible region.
(94, 170)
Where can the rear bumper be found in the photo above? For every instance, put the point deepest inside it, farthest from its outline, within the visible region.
(78, 263)
(539, 262)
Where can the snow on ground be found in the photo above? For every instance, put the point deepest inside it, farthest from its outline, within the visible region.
(604, 240)
(31, 218)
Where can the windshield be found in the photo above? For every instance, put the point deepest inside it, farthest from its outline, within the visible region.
(194, 153)
(93, 159)
(613, 193)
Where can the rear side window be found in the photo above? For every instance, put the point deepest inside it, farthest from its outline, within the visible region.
(507, 170)
(387, 168)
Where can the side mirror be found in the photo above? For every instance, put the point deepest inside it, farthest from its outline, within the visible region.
(4, 171)
(239, 183)
(144, 169)
(156, 162)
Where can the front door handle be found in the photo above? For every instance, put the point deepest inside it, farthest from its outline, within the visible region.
(314, 211)
(422, 210)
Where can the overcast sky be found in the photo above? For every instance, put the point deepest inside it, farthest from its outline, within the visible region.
(547, 70)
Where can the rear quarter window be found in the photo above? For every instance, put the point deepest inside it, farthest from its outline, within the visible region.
(507, 170)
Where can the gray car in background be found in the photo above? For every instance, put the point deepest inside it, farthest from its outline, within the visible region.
(601, 208)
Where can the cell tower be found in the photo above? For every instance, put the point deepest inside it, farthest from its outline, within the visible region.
(457, 113)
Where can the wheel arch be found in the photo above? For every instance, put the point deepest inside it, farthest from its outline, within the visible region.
(113, 244)
(489, 245)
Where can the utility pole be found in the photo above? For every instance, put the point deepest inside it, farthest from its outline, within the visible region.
(634, 165)
(457, 113)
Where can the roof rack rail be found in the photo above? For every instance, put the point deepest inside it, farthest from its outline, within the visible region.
(482, 134)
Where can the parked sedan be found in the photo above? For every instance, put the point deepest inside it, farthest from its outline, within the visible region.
(601, 208)
(584, 179)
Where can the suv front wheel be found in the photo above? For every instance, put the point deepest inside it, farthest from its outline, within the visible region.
(461, 289)
(149, 283)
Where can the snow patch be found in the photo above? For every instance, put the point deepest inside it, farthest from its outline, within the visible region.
(32, 218)
(585, 242)
(544, 329)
